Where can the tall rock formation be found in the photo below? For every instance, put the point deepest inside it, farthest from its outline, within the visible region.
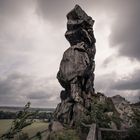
(76, 72)
(80, 104)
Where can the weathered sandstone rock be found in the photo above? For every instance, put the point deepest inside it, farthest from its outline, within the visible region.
(76, 72)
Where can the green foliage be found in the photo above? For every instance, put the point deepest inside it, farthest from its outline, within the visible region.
(21, 136)
(64, 135)
(116, 120)
(98, 115)
(113, 136)
(103, 113)
(136, 118)
(134, 132)
(23, 119)
(7, 115)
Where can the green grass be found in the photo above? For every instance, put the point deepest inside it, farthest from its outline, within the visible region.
(31, 130)
(35, 127)
(65, 135)
(4, 125)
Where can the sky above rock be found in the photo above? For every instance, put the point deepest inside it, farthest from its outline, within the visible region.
(32, 43)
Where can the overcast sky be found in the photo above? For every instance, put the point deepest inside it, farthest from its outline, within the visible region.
(32, 43)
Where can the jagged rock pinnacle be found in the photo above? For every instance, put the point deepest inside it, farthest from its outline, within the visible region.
(76, 72)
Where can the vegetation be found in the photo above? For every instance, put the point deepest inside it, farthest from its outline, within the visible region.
(136, 118)
(99, 114)
(113, 136)
(7, 115)
(134, 132)
(23, 119)
(64, 135)
(103, 113)
(32, 130)
(13, 115)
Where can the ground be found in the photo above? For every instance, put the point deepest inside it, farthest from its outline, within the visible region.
(31, 130)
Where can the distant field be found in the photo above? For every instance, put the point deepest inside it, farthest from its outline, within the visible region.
(31, 130)
(4, 125)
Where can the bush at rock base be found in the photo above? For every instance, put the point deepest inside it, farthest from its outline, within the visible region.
(64, 135)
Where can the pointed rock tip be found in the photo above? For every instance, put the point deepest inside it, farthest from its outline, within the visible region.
(77, 13)
(77, 6)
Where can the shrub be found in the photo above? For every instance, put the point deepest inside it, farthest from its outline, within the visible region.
(64, 135)
(23, 119)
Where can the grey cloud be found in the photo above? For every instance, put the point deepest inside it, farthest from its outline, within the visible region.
(17, 89)
(109, 81)
(52, 9)
(124, 14)
(14, 84)
(104, 82)
(109, 59)
(14, 40)
(56, 10)
(11, 89)
(14, 7)
(127, 87)
(132, 82)
(11, 10)
(39, 95)
(12, 13)
(125, 30)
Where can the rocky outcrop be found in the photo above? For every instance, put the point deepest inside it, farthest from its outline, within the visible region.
(76, 76)
(125, 111)
(76, 72)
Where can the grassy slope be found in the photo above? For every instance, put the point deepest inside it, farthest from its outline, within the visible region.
(31, 130)
(4, 125)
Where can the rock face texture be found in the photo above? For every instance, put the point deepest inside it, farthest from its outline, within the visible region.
(125, 111)
(76, 72)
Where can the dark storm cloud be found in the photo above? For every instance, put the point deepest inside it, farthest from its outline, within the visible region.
(10, 84)
(17, 89)
(11, 88)
(125, 31)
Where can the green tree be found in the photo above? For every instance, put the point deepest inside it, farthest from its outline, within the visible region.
(23, 119)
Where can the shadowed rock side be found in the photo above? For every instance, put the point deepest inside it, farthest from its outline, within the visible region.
(76, 72)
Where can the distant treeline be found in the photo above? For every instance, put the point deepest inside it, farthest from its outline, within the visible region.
(7, 115)
(13, 115)
(16, 109)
